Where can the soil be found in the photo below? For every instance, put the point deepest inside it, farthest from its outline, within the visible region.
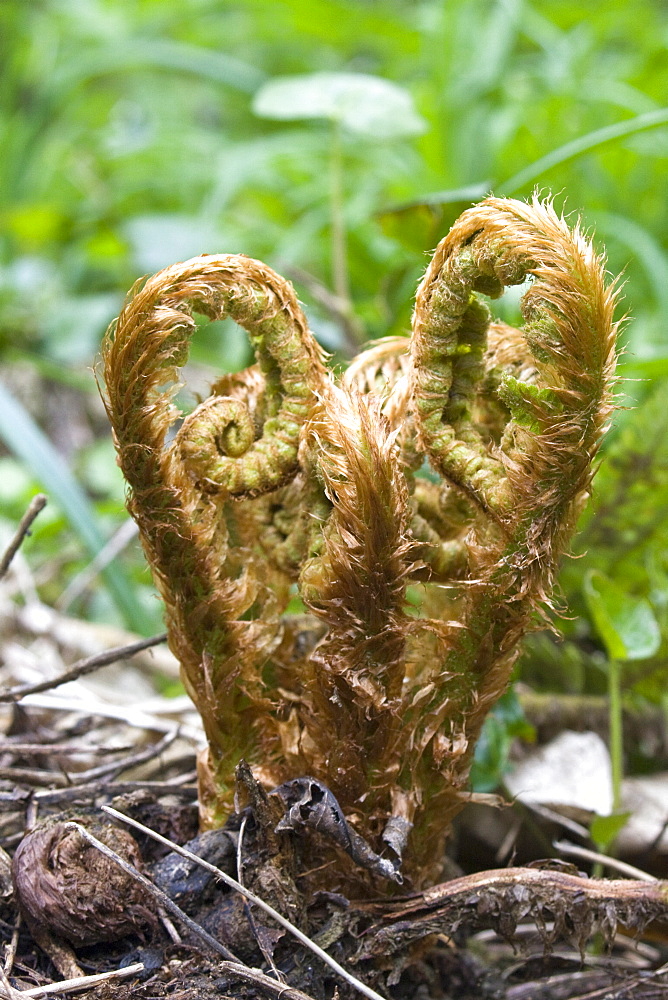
(530, 933)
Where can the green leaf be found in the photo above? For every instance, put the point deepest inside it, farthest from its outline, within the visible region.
(627, 520)
(625, 624)
(420, 223)
(363, 104)
(603, 830)
(22, 436)
(158, 239)
(505, 722)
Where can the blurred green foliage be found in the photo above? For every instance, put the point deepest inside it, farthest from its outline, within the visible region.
(134, 135)
(505, 722)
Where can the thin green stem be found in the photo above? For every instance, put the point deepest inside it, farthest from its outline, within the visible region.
(338, 223)
(616, 737)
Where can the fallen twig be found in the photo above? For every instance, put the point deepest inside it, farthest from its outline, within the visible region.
(135, 717)
(7, 991)
(50, 749)
(37, 504)
(78, 638)
(33, 776)
(264, 982)
(11, 948)
(78, 793)
(81, 982)
(82, 668)
(575, 851)
(118, 766)
(61, 779)
(268, 957)
(576, 906)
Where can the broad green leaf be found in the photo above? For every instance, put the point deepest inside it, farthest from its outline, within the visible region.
(628, 517)
(604, 829)
(420, 223)
(625, 624)
(157, 240)
(366, 105)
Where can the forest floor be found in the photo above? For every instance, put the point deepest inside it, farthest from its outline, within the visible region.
(84, 729)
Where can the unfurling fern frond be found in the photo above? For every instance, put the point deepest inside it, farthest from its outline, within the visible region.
(421, 584)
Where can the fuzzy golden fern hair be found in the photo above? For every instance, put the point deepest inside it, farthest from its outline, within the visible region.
(284, 477)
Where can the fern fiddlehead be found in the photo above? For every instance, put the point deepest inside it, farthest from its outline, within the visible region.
(284, 476)
(530, 487)
(178, 490)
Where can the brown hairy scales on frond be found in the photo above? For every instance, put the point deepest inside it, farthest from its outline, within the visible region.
(357, 586)
(423, 579)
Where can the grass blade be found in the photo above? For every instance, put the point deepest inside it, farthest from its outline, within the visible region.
(583, 144)
(180, 57)
(25, 439)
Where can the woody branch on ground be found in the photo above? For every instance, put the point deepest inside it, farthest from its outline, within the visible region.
(288, 480)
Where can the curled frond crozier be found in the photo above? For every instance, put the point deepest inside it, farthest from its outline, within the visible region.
(185, 494)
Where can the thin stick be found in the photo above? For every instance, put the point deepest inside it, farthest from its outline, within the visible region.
(11, 948)
(616, 736)
(37, 504)
(233, 884)
(259, 979)
(33, 776)
(575, 851)
(49, 749)
(170, 928)
(555, 817)
(81, 792)
(32, 812)
(82, 982)
(6, 988)
(153, 890)
(268, 957)
(83, 667)
(118, 766)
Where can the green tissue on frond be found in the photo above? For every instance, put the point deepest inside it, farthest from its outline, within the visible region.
(528, 404)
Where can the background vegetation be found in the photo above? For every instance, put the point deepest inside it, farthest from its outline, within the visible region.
(134, 135)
